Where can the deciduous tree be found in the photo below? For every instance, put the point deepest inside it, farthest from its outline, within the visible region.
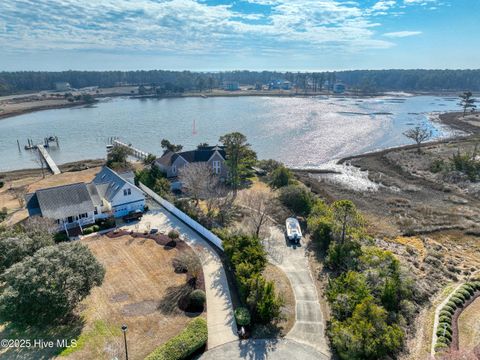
(419, 135)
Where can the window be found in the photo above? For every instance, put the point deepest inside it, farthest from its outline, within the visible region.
(127, 192)
(174, 169)
(216, 166)
(83, 216)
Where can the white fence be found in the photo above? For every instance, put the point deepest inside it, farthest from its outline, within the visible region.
(207, 234)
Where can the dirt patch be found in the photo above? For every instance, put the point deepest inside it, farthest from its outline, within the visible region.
(121, 297)
(142, 308)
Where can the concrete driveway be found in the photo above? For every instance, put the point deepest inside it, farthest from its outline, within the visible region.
(275, 349)
(309, 326)
(220, 319)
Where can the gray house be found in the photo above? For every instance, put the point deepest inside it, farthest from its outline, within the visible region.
(80, 204)
(171, 162)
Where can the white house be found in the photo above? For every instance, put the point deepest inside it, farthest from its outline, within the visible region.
(80, 204)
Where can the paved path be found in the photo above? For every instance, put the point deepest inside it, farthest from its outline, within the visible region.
(309, 325)
(220, 319)
(276, 349)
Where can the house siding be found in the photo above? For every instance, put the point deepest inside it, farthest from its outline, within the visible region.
(124, 204)
(178, 163)
(223, 168)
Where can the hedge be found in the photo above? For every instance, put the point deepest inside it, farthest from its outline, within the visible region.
(184, 344)
(457, 300)
(466, 294)
(445, 313)
(449, 308)
(468, 288)
(444, 340)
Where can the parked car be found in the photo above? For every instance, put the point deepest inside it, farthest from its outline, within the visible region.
(153, 231)
(294, 233)
(132, 216)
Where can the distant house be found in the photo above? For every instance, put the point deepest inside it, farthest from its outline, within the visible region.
(339, 88)
(80, 204)
(62, 86)
(280, 85)
(231, 85)
(172, 162)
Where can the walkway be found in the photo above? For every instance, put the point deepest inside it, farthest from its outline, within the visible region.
(275, 349)
(220, 318)
(48, 159)
(309, 326)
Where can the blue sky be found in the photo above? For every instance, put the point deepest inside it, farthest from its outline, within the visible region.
(210, 35)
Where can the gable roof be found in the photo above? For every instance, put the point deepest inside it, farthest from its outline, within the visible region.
(109, 183)
(199, 155)
(62, 201)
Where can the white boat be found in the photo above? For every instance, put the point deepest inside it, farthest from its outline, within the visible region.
(294, 233)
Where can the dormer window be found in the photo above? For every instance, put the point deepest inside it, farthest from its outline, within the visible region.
(216, 167)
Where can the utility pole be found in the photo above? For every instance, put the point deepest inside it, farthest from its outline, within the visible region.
(124, 329)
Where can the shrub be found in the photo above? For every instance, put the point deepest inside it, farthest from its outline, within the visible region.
(183, 345)
(196, 300)
(297, 198)
(444, 332)
(464, 293)
(445, 325)
(446, 319)
(469, 288)
(444, 340)
(445, 313)
(437, 165)
(281, 177)
(173, 234)
(60, 237)
(475, 285)
(107, 223)
(439, 346)
(452, 304)
(242, 316)
(3, 214)
(87, 231)
(450, 309)
(1, 184)
(457, 300)
(96, 228)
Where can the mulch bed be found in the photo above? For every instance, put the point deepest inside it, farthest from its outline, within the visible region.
(454, 345)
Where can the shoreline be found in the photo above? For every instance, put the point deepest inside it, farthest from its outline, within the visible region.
(215, 94)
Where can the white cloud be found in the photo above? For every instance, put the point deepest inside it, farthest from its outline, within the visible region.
(402, 34)
(191, 26)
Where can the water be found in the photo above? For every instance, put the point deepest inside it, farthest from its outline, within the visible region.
(298, 131)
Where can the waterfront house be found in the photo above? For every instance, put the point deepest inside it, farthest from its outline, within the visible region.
(172, 162)
(77, 205)
(231, 85)
(62, 86)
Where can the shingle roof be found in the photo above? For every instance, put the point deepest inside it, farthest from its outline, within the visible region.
(108, 183)
(63, 201)
(199, 155)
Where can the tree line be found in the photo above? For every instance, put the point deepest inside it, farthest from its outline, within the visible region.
(363, 80)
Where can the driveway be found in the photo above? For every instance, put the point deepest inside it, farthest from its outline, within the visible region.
(309, 325)
(220, 318)
(275, 349)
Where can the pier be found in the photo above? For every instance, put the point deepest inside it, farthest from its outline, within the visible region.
(48, 159)
(139, 154)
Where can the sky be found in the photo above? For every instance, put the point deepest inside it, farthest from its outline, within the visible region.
(215, 35)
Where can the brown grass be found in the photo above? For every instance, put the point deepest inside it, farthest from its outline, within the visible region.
(469, 326)
(64, 179)
(284, 288)
(139, 274)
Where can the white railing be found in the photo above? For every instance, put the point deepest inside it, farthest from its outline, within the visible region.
(207, 234)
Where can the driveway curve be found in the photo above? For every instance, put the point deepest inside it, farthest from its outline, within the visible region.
(220, 319)
(277, 349)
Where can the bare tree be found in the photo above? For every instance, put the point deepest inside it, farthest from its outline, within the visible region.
(40, 225)
(196, 179)
(19, 194)
(38, 158)
(259, 204)
(220, 201)
(419, 135)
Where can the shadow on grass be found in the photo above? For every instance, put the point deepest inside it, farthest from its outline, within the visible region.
(34, 342)
(175, 299)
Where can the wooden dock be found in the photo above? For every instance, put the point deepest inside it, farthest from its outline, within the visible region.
(48, 159)
(139, 154)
